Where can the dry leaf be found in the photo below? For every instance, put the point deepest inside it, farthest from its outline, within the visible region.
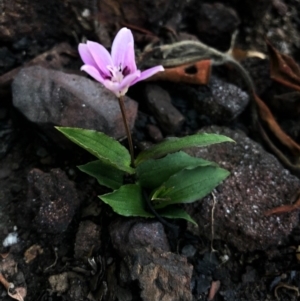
(32, 253)
(215, 286)
(240, 54)
(19, 293)
(284, 69)
(267, 116)
(197, 73)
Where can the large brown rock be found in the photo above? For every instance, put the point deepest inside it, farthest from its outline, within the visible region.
(161, 276)
(257, 183)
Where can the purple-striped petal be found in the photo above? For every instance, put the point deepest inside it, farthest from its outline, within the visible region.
(101, 56)
(148, 73)
(93, 72)
(127, 81)
(120, 47)
(130, 59)
(114, 87)
(86, 55)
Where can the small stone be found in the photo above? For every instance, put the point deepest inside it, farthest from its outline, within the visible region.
(188, 251)
(155, 133)
(41, 152)
(52, 199)
(59, 283)
(87, 239)
(159, 103)
(127, 234)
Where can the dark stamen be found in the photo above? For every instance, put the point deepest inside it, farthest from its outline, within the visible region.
(126, 71)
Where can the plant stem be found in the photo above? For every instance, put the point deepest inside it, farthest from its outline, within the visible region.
(122, 107)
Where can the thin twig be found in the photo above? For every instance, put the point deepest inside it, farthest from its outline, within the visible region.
(122, 107)
(212, 222)
(54, 263)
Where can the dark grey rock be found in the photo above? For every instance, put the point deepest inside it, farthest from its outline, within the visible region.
(159, 104)
(161, 276)
(257, 183)
(130, 234)
(48, 97)
(224, 102)
(155, 133)
(87, 239)
(51, 202)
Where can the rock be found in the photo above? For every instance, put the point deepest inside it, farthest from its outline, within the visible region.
(161, 276)
(23, 17)
(59, 283)
(155, 133)
(159, 103)
(130, 234)
(223, 103)
(215, 23)
(52, 200)
(257, 183)
(87, 239)
(49, 97)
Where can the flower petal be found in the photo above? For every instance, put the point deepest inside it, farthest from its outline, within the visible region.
(101, 56)
(129, 79)
(120, 89)
(86, 55)
(120, 47)
(130, 58)
(148, 73)
(93, 72)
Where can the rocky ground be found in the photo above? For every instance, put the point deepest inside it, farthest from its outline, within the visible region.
(59, 242)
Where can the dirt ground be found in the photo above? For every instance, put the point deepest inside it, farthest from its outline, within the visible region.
(47, 262)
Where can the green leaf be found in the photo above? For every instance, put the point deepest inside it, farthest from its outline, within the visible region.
(175, 212)
(190, 185)
(175, 144)
(127, 201)
(154, 172)
(100, 145)
(105, 174)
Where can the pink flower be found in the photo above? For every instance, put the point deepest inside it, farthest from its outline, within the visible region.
(117, 72)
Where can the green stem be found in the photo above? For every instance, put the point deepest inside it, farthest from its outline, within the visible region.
(122, 107)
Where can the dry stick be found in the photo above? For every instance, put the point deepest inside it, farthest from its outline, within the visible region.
(122, 107)
(212, 222)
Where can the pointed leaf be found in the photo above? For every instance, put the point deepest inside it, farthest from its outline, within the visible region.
(127, 201)
(175, 144)
(176, 212)
(153, 172)
(105, 174)
(190, 185)
(100, 145)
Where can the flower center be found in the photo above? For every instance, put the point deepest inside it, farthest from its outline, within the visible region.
(117, 73)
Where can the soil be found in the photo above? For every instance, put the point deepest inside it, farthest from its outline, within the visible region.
(260, 275)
